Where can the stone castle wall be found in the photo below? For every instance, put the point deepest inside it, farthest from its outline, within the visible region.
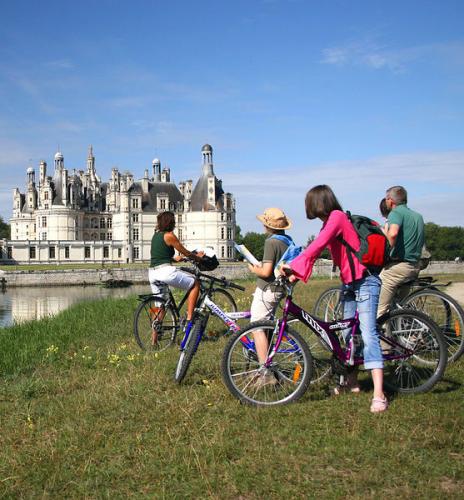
(68, 277)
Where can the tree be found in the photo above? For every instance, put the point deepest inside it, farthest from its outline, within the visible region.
(255, 243)
(444, 243)
(238, 235)
(5, 232)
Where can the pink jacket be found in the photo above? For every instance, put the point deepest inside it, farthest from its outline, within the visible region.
(336, 224)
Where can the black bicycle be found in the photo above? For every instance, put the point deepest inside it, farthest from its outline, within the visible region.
(425, 296)
(157, 321)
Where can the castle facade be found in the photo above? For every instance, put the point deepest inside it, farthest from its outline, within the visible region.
(75, 217)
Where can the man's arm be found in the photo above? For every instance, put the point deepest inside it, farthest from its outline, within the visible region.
(391, 232)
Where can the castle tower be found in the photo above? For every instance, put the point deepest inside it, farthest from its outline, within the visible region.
(156, 170)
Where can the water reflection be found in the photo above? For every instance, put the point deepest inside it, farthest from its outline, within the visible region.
(23, 304)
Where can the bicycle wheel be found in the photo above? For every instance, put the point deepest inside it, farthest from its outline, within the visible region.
(446, 313)
(328, 306)
(186, 355)
(284, 381)
(414, 351)
(155, 325)
(224, 300)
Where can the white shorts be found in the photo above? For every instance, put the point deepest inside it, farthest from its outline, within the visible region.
(264, 303)
(170, 276)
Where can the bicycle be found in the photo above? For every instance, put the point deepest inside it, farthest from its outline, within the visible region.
(157, 321)
(205, 307)
(425, 297)
(413, 348)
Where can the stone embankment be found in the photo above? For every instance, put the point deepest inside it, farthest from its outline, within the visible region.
(67, 277)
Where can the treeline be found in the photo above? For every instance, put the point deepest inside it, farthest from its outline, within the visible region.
(4, 230)
(444, 243)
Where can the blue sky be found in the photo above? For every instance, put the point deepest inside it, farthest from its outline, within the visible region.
(360, 95)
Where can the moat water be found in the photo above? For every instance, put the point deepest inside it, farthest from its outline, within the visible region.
(21, 304)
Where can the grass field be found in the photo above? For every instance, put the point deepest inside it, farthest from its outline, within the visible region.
(84, 414)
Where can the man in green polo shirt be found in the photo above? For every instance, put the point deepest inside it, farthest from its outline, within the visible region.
(405, 232)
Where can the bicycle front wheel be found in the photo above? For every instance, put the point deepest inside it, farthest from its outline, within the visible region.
(155, 325)
(286, 379)
(190, 348)
(414, 351)
(447, 314)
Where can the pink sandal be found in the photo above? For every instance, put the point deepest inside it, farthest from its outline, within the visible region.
(379, 405)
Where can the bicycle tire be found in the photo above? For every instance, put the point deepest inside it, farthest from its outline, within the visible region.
(420, 340)
(446, 312)
(291, 367)
(186, 355)
(327, 306)
(224, 300)
(146, 318)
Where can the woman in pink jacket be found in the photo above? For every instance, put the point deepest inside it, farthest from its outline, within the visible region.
(360, 292)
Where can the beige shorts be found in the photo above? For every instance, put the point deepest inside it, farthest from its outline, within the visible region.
(264, 303)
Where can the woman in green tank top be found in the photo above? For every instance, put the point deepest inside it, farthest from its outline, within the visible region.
(163, 246)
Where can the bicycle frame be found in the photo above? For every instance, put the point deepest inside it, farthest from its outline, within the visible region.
(326, 334)
(226, 318)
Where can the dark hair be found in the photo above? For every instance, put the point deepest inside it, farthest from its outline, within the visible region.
(384, 210)
(320, 201)
(166, 221)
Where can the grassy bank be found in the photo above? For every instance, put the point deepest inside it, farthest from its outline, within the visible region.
(85, 415)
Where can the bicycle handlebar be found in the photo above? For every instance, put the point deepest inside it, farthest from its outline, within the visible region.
(225, 283)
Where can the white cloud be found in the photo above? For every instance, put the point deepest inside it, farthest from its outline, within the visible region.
(373, 55)
(434, 182)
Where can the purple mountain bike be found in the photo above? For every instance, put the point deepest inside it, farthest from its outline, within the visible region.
(413, 347)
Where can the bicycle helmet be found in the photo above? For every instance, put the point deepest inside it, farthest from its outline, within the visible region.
(208, 263)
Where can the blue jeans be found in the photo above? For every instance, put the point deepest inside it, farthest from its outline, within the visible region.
(363, 295)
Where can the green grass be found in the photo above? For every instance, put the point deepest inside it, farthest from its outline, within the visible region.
(85, 415)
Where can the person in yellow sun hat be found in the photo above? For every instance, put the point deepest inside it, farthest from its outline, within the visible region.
(266, 296)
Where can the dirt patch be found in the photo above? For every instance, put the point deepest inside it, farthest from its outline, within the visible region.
(456, 290)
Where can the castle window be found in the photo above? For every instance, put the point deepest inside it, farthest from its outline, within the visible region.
(46, 206)
(51, 253)
(102, 223)
(222, 216)
(222, 252)
(9, 252)
(135, 203)
(44, 222)
(109, 223)
(229, 252)
(222, 233)
(102, 236)
(180, 234)
(179, 218)
(32, 252)
(229, 233)
(66, 252)
(135, 217)
(46, 195)
(86, 252)
(229, 217)
(163, 204)
(119, 253)
(44, 236)
(135, 253)
(135, 234)
(106, 252)
(110, 236)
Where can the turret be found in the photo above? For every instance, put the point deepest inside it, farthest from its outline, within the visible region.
(156, 170)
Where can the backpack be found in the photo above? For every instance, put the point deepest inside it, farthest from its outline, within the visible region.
(374, 250)
(290, 253)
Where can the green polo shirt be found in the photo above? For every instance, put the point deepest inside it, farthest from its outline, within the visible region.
(410, 239)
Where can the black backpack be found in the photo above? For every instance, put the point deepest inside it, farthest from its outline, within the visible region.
(208, 263)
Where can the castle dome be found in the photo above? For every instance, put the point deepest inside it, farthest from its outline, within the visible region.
(206, 147)
(59, 155)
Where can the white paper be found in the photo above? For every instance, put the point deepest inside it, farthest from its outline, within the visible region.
(242, 249)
